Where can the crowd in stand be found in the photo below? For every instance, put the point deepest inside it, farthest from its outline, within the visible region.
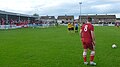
(24, 23)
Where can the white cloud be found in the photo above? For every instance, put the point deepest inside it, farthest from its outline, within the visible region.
(58, 7)
(30, 5)
(16, 5)
(91, 1)
(102, 7)
(114, 0)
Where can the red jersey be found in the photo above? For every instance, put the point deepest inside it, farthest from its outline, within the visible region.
(86, 32)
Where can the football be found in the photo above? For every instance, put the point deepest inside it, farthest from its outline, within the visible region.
(114, 46)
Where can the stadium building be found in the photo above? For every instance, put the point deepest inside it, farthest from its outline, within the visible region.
(118, 20)
(47, 18)
(99, 19)
(65, 19)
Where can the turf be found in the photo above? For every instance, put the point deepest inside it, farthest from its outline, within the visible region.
(56, 47)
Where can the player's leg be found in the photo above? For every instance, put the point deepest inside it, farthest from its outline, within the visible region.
(92, 55)
(92, 58)
(84, 51)
(76, 29)
(85, 56)
(68, 29)
(85, 47)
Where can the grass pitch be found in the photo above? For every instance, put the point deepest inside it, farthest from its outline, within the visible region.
(55, 47)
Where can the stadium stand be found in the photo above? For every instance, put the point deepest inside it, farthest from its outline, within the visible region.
(100, 20)
(10, 20)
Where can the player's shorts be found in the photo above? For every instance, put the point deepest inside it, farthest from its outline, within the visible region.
(69, 29)
(72, 28)
(87, 45)
(76, 28)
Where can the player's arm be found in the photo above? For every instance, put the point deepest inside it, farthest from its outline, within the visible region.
(93, 37)
(80, 32)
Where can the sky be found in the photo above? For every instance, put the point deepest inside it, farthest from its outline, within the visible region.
(61, 7)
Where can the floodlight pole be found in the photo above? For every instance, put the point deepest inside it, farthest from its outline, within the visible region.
(80, 10)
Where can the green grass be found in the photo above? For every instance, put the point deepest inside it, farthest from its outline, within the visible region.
(55, 47)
